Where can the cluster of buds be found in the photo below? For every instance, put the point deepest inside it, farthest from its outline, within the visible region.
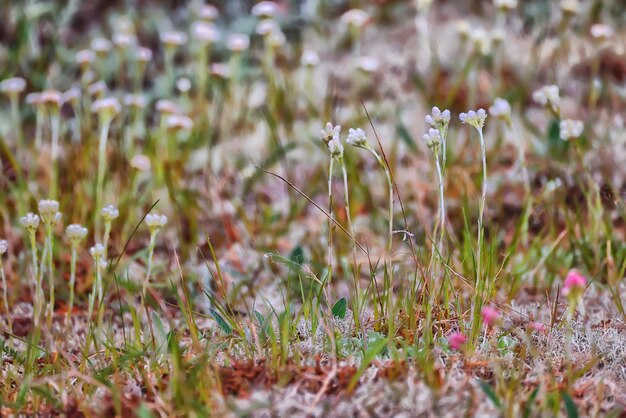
(457, 340)
(30, 221)
(49, 212)
(432, 139)
(155, 222)
(491, 316)
(548, 96)
(474, 118)
(501, 109)
(570, 129)
(330, 136)
(573, 289)
(75, 233)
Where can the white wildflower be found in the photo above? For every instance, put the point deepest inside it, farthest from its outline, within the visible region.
(570, 129)
(474, 118)
(356, 137)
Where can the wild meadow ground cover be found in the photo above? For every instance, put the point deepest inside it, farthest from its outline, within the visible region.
(313, 208)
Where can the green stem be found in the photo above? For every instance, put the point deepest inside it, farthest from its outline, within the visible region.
(72, 282)
(102, 148)
(330, 219)
(5, 296)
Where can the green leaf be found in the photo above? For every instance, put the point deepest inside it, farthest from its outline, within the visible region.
(490, 393)
(339, 308)
(570, 406)
(144, 411)
(160, 335)
(221, 322)
(297, 255)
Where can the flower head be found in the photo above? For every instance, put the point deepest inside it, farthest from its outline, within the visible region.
(167, 107)
(265, 9)
(4, 246)
(356, 137)
(205, 33)
(570, 129)
(97, 251)
(173, 38)
(367, 64)
(100, 45)
(601, 32)
(355, 17)
(48, 210)
(505, 4)
(85, 57)
(135, 100)
(155, 222)
(107, 107)
(183, 84)
(143, 54)
(238, 42)
(208, 12)
(330, 133)
(110, 212)
(491, 315)
(76, 233)
(309, 58)
(30, 221)
(474, 118)
(97, 89)
(456, 340)
(140, 162)
(51, 98)
(432, 138)
(574, 283)
(178, 123)
(548, 96)
(335, 147)
(13, 86)
(501, 108)
(438, 119)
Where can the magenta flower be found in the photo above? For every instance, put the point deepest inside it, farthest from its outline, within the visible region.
(537, 326)
(456, 340)
(574, 283)
(491, 315)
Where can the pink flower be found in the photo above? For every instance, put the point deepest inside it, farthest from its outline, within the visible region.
(456, 340)
(574, 283)
(537, 326)
(490, 315)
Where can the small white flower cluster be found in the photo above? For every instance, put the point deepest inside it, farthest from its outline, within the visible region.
(76, 233)
(265, 9)
(238, 42)
(49, 211)
(178, 123)
(108, 106)
(155, 221)
(4, 246)
(13, 86)
(570, 129)
(309, 58)
(474, 118)
(548, 96)
(97, 251)
(438, 119)
(109, 213)
(30, 221)
(357, 138)
(505, 4)
(355, 17)
(205, 33)
(173, 38)
(432, 138)
(501, 108)
(330, 136)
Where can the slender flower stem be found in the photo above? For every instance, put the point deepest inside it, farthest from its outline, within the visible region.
(50, 244)
(102, 148)
(15, 115)
(55, 127)
(481, 207)
(72, 283)
(351, 229)
(442, 208)
(330, 219)
(5, 298)
(381, 162)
